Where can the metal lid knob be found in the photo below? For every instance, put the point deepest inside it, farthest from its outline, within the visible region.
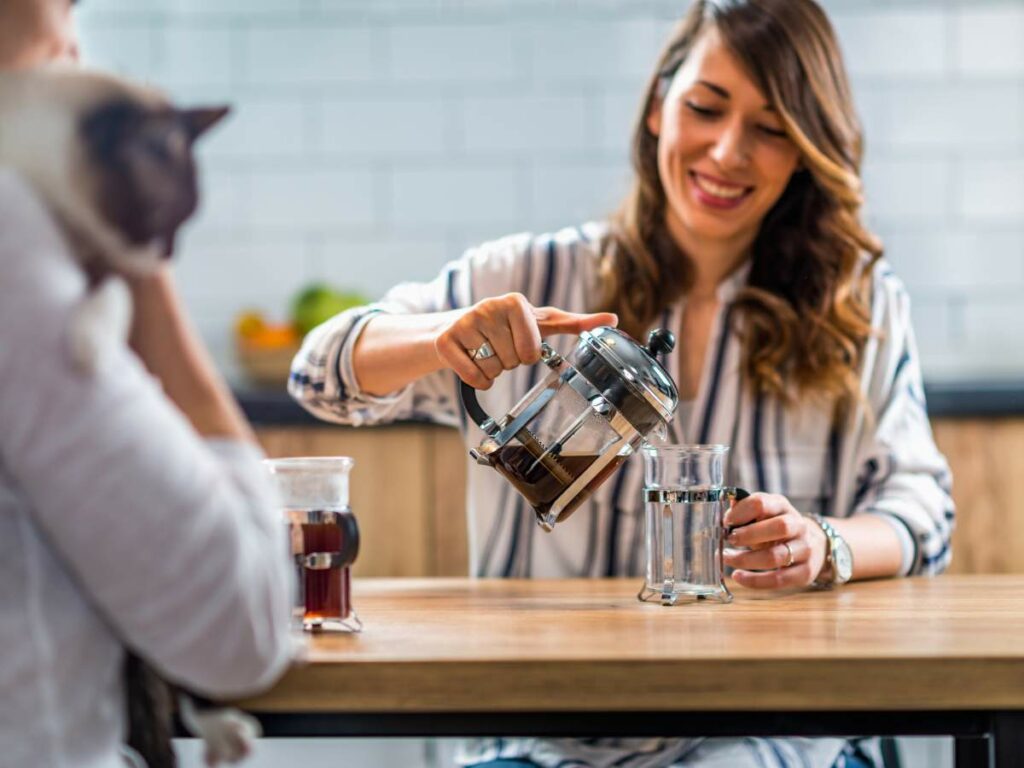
(660, 341)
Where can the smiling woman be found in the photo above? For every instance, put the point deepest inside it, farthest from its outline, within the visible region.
(742, 234)
(755, 145)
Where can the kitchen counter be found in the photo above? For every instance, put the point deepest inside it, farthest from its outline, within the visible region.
(953, 399)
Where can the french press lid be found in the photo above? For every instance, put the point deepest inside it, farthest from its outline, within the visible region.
(629, 375)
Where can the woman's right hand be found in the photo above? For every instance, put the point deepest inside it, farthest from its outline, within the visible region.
(513, 328)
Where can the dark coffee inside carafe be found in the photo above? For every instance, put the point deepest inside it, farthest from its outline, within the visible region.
(327, 590)
(542, 482)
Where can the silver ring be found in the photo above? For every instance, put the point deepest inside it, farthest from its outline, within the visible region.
(790, 551)
(482, 352)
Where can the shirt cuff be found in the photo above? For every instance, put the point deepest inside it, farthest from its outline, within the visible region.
(908, 548)
(346, 369)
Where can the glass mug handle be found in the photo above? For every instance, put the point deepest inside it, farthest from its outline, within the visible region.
(734, 494)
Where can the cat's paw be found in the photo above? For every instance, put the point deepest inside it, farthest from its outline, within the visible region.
(228, 734)
(100, 325)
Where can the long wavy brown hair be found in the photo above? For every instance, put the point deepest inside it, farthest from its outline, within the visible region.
(805, 313)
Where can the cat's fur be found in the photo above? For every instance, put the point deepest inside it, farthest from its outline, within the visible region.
(113, 163)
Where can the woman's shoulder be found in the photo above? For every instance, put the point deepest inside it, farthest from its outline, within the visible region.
(890, 301)
(583, 240)
(536, 262)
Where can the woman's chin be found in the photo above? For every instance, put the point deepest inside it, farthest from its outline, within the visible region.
(706, 226)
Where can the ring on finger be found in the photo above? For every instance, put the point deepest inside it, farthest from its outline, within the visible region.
(483, 352)
(789, 552)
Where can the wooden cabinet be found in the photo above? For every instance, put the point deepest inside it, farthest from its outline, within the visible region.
(408, 492)
(987, 459)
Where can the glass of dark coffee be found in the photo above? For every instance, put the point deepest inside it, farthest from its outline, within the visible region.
(324, 539)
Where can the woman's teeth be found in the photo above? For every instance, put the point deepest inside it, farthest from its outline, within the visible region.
(729, 193)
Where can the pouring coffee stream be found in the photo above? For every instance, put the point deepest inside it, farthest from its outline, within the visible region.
(590, 412)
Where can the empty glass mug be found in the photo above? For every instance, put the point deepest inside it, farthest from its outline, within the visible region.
(685, 501)
(324, 539)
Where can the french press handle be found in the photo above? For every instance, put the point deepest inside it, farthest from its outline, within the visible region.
(473, 408)
(471, 403)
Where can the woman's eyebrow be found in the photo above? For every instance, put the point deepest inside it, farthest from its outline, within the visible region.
(714, 87)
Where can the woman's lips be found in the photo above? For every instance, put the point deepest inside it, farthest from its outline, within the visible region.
(716, 193)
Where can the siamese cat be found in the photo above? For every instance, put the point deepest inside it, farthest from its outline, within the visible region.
(113, 163)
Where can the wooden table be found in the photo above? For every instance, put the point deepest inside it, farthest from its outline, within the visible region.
(585, 658)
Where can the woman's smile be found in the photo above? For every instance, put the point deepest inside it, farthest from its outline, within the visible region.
(715, 192)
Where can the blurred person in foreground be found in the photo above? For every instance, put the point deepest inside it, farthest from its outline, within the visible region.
(134, 512)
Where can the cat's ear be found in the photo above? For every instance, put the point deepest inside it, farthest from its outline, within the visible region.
(198, 121)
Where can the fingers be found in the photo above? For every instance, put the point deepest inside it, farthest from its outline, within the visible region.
(452, 352)
(506, 324)
(502, 322)
(757, 506)
(553, 321)
(786, 525)
(525, 332)
(513, 328)
(778, 547)
(798, 576)
(776, 555)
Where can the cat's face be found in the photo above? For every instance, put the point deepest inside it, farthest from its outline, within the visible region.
(145, 179)
(113, 161)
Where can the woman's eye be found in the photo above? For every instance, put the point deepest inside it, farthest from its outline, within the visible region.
(702, 111)
(776, 132)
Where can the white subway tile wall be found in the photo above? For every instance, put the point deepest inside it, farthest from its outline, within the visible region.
(373, 140)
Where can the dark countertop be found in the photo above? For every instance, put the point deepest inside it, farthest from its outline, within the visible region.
(953, 399)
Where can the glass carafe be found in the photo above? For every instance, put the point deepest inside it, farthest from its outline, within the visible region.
(685, 502)
(587, 415)
(324, 539)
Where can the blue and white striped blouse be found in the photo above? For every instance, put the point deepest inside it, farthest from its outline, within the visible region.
(885, 464)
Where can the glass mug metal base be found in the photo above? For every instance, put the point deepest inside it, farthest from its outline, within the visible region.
(676, 596)
(351, 623)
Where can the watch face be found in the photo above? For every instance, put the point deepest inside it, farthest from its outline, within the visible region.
(843, 563)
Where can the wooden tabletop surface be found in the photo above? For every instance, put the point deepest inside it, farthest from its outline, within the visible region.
(450, 645)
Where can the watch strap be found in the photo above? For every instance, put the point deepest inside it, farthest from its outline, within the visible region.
(828, 576)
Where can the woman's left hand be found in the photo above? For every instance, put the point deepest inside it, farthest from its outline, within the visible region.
(784, 549)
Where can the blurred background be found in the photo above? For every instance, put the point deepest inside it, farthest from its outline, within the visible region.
(374, 140)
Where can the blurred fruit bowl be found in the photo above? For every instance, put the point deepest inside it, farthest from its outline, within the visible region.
(265, 350)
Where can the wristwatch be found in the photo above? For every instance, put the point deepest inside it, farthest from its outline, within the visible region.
(838, 567)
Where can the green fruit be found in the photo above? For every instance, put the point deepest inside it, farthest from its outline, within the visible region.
(320, 302)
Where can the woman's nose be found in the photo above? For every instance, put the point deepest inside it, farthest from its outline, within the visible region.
(730, 149)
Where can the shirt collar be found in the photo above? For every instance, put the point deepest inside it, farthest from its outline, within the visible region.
(734, 282)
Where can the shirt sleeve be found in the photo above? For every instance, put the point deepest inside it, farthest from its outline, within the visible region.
(322, 377)
(175, 540)
(901, 475)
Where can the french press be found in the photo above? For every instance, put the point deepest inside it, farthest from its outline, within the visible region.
(587, 415)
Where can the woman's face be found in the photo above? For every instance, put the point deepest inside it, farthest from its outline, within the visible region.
(723, 156)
